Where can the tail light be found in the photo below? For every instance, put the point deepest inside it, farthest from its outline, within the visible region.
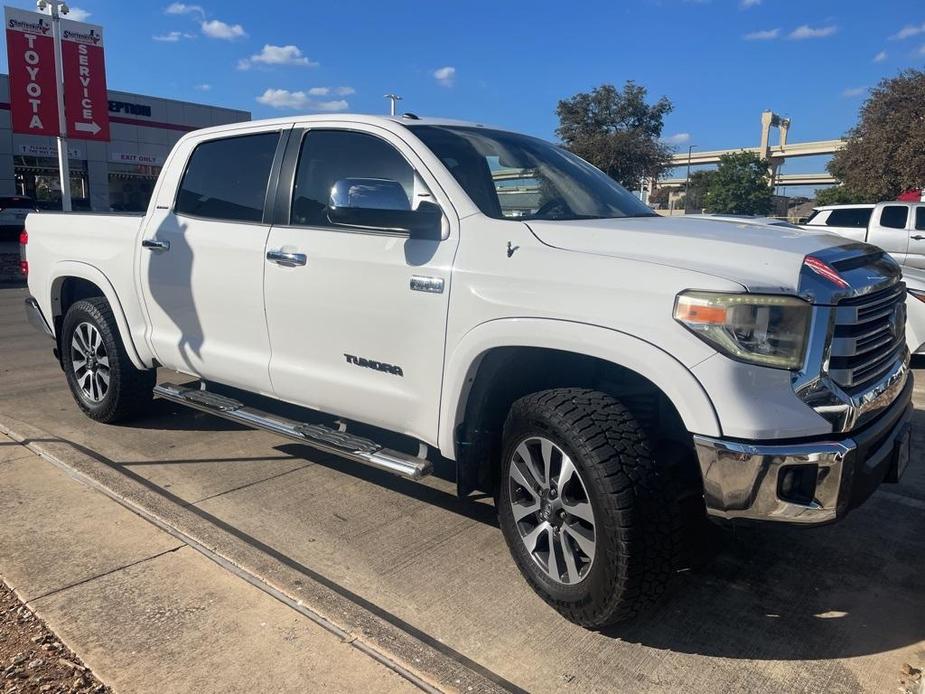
(23, 263)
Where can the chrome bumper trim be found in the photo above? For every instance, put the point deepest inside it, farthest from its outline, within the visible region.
(35, 317)
(741, 480)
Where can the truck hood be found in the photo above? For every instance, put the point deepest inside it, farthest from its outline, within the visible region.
(760, 258)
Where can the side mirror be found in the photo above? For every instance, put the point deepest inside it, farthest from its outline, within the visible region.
(382, 204)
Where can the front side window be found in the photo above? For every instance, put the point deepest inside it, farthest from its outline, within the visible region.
(227, 179)
(894, 216)
(512, 176)
(362, 170)
(920, 218)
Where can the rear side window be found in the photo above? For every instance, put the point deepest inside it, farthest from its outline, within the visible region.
(227, 179)
(920, 218)
(855, 217)
(894, 216)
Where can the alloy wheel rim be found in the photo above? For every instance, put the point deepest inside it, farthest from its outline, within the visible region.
(89, 362)
(552, 510)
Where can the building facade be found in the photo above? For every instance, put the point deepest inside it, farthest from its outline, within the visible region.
(118, 175)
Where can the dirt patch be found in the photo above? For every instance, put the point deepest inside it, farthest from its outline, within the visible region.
(32, 659)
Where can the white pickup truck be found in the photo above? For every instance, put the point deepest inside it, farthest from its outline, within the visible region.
(896, 227)
(611, 376)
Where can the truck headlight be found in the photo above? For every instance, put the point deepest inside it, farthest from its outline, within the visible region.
(768, 330)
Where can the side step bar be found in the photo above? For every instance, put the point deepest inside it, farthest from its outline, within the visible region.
(318, 436)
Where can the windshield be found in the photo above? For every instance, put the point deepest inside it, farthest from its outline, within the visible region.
(511, 176)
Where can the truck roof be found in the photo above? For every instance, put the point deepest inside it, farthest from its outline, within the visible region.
(405, 119)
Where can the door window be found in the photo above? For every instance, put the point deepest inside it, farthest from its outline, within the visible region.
(227, 179)
(332, 156)
(852, 217)
(920, 218)
(894, 216)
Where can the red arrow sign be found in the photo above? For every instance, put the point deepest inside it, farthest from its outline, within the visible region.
(33, 88)
(86, 103)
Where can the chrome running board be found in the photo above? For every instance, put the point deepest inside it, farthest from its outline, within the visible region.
(319, 436)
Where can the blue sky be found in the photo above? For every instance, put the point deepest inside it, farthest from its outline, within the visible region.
(720, 61)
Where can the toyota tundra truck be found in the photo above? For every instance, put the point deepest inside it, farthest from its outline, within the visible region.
(610, 376)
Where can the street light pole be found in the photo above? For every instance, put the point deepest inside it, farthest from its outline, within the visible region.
(687, 183)
(57, 9)
(393, 100)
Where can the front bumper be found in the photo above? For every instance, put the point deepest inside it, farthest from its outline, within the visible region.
(804, 482)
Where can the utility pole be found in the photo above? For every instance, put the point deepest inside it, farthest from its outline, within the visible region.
(393, 100)
(57, 9)
(687, 183)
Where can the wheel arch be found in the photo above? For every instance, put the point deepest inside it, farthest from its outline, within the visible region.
(500, 361)
(73, 281)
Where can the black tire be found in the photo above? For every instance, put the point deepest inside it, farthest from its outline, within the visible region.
(636, 515)
(129, 391)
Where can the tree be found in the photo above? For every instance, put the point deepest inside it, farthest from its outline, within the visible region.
(694, 199)
(885, 151)
(739, 185)
(617, 131)
(840, 195)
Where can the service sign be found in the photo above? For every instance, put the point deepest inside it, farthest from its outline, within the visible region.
(33, 87)
(86, 104)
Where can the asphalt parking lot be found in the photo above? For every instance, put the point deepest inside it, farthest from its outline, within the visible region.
(833, 609)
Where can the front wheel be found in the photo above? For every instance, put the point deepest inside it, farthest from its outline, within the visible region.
(104, 382)
(589, 518)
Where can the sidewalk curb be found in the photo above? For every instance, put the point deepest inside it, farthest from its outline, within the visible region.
(419, 658)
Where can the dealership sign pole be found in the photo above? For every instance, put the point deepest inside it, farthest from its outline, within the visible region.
(57, 80)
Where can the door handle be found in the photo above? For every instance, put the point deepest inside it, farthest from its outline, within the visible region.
(285, 258)
(917, 237)
(155, 245)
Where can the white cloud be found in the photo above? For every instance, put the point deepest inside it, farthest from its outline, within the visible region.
(283, 98)
(325, 91)
(277, 55)
(909, 31)
(854, 91)
(173, 36)
(678, 139)
(74, 13)
(765, 35)
(880, 57)
(445, 76)
(203, 87)
(807, 32)
(922, 50)
(745, 4)
(217, 29)
(181, 8)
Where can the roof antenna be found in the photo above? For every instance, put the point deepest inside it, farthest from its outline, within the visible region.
(393, 100)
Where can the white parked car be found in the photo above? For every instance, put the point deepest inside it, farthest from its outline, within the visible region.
(612, 377)
(896, 227)
(744, 219)
(915, 309)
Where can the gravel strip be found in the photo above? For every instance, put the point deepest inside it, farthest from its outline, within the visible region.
(32, 659)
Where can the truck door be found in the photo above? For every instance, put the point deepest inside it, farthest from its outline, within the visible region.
(889, 229)
(202, 259)
(357, 315)
(915, 257)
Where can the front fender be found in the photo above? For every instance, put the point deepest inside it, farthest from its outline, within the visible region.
(50, 301)
(666, 372)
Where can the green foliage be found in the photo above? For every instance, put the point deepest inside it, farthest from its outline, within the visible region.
(885, 152)
(617, 131)
(696, 195)
(840, 195)
(739, 185)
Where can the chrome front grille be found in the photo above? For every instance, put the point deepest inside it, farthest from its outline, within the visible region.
(869, 335)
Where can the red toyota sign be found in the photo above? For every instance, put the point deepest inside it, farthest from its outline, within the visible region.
(33, 88)
(86, 103)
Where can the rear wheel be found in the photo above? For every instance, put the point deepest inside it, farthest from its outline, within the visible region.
(104, 382)
(591, 521)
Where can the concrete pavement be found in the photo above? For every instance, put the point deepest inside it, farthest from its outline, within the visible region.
(404, 565)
